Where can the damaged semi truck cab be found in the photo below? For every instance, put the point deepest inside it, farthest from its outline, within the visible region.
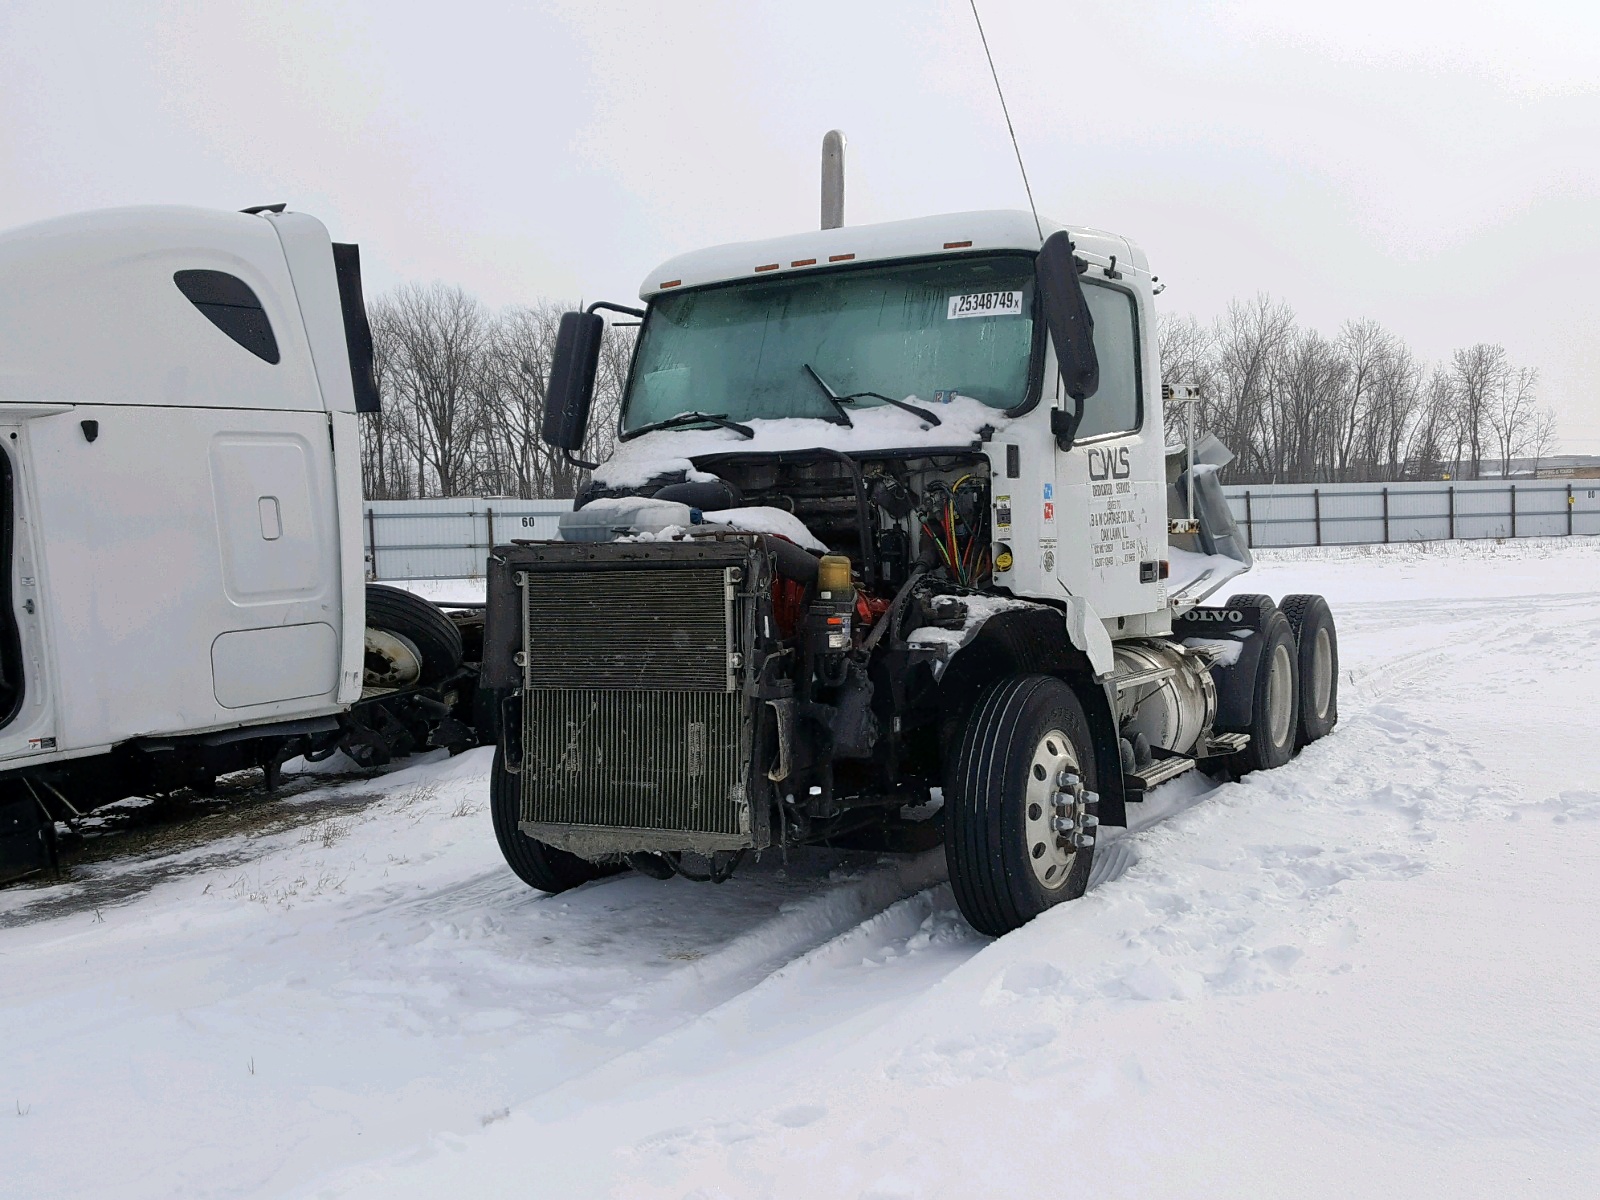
(893, 510)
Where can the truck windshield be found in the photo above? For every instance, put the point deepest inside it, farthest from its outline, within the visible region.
(928, 330)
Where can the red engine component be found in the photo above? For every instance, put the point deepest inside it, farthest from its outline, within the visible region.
(788, 605)
(869, 608)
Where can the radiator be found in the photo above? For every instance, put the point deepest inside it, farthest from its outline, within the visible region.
(635, 730)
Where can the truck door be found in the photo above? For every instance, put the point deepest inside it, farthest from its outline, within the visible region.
(27, 715)
(1109, 516)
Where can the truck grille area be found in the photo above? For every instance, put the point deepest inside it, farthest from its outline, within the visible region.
(628, 629)
(633, 759)
(635, 731)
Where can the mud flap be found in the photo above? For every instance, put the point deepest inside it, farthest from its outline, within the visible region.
(1236, 683)
(1109, 780)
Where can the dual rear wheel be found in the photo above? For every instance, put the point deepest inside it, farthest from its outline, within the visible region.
(1020, 819)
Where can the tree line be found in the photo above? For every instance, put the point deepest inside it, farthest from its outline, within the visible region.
(463, 392)
(1296, 406)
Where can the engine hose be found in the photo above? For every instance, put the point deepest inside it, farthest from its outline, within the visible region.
(869, 549)
(712, 876)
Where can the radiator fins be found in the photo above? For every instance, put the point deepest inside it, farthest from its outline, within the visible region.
(632, 719)
(628, 629)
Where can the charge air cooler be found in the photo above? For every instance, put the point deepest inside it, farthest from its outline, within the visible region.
(637, 724)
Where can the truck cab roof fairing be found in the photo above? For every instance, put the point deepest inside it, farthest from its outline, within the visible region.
(919, 237)
(90, 313)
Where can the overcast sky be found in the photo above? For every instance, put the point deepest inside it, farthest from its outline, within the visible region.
(1433, 166)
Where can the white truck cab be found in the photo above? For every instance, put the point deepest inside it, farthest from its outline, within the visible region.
(893, 510)
(181, 574)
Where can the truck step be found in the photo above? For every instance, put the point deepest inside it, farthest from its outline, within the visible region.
(1158, 772)
(1221, 744)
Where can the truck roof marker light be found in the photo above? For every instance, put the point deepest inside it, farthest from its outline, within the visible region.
(966, 245)
(671, 283)
(769, 267)
(804, 262)
(840, 257)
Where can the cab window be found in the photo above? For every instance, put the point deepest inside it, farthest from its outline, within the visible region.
(1115, 407)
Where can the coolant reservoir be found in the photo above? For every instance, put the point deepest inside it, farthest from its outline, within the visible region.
(618, 516)
(833, 574)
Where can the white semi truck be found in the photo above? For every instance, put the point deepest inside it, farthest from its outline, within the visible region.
(182, 587)
(895, 507)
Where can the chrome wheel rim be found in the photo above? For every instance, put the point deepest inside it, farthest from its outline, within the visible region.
(1050, 853)
(391, 660)
(1280, 697)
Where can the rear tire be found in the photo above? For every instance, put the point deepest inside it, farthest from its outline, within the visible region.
(538, 865)
(1006, 864)
(424, 625)
(1252, 600)
(1318, 644)
(1275, 701)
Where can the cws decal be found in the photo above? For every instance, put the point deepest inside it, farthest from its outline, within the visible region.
(1110, 463)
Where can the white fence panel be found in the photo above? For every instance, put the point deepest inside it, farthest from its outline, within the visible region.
(450, 539)
(1337, 514)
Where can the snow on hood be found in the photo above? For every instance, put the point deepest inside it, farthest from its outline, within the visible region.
(763, 519)
(883, 427)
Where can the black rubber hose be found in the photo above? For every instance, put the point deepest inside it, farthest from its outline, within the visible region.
(869, 549)
(791, 561)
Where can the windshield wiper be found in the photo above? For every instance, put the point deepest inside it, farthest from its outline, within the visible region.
(698, 418)
(842, 417)
(840, 401)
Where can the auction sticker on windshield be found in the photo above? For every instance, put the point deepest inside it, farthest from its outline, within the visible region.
(986, 304)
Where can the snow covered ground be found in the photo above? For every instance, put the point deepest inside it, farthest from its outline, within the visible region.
(1373, 972)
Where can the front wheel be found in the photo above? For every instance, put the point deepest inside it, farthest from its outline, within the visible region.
(535, 863)
(1019, 817)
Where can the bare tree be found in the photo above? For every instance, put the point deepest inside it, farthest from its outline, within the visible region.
(435, 337)
(1512, 413)
(1542, 439)
(1479, 375)
(513, 378)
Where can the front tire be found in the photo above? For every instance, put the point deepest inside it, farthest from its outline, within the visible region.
(1023, 739)
(538, 865)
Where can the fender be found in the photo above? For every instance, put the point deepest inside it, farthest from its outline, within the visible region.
(1085, 631)
(1005, 636)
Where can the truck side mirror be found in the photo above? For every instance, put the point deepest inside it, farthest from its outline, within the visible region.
(572, 370)
(1071, 326)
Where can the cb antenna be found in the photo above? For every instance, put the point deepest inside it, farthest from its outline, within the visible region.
(1007, 113)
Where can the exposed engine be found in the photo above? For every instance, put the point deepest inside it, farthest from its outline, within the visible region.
(722, 664)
